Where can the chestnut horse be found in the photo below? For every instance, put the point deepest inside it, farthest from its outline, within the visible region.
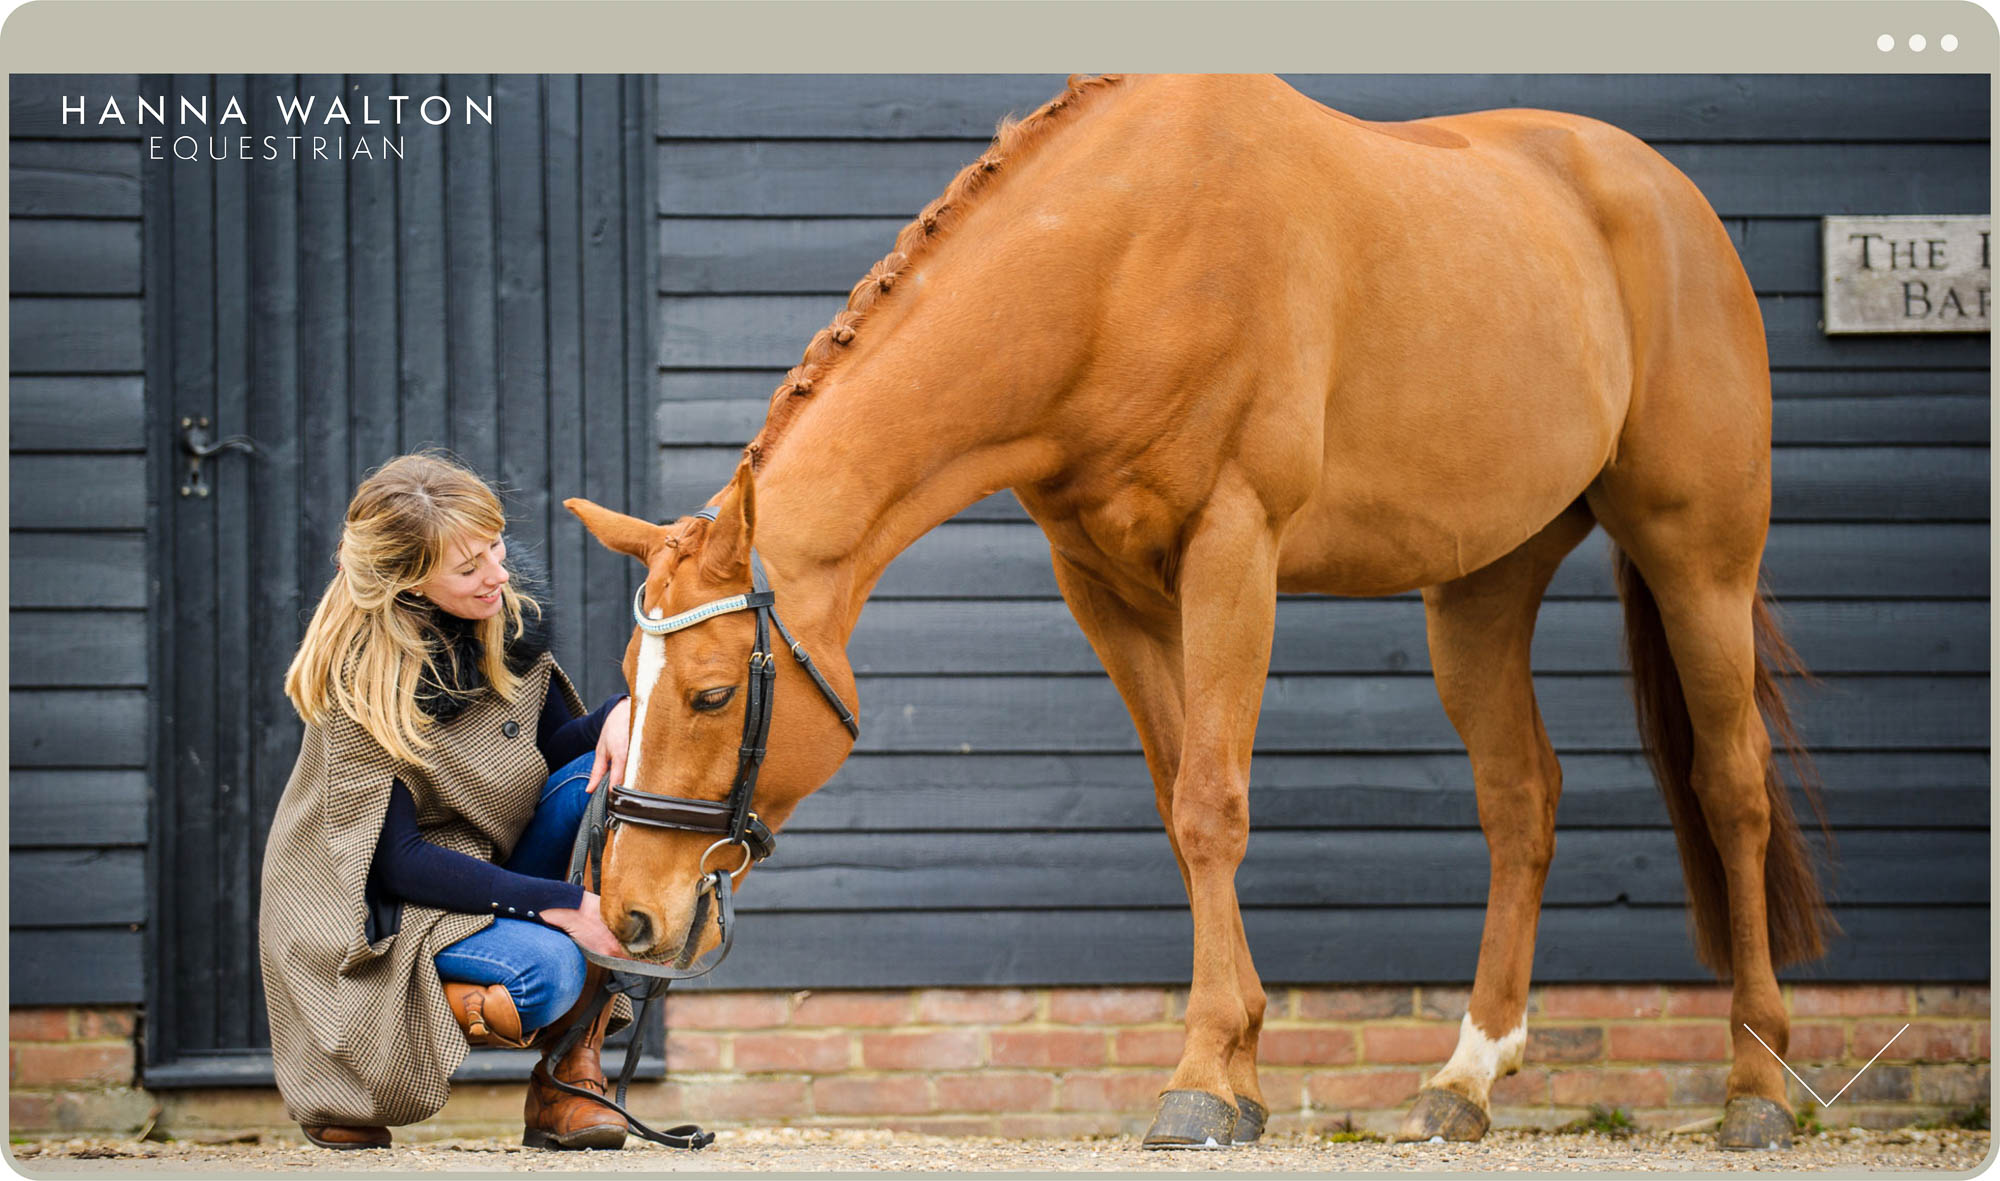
(1222, 343)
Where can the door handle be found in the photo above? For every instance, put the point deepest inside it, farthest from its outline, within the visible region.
(198, 445)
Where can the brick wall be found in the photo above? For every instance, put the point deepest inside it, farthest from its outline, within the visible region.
(1066, 1062)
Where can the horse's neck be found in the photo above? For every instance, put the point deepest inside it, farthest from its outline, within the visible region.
(872, 467)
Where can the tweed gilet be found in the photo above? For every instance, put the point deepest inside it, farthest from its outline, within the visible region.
(361, 1033)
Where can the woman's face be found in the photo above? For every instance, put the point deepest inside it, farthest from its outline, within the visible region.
(468, 582)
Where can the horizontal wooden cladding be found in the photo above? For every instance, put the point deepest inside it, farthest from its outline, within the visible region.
(807, 178)
(73, 180)
(914, 949)
(1326, 635)
(100, 648)
(76, 570)
(771, 331)
(1321, 868)
(76, 728)
(75, 335)
(1066, 871)
(1807, 484)
(76, 413)
(60, 257)
(77, 491)
(91, 966)
(1947, 419)
(1114, 792)
(35, 106)
(63, 807)
(1780, 254)
(1936, 561)
(1792, 334)
(1655, 106)
(790, 255)
(1957, 420)
(939, 715)
(76, 887)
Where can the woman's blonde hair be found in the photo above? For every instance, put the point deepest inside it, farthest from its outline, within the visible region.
(367, 651)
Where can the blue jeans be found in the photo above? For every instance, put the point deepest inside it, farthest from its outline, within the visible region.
(541, 967)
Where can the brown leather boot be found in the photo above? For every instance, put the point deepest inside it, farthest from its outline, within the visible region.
(554, 1119)
(487, 1014)
(342, 1136)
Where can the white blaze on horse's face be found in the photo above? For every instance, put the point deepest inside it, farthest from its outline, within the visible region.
(652, 663)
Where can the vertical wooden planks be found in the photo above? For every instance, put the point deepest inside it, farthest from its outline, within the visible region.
(372, 324)
(423, 376)
(569, 545)
(187, 814)
(470, 333)
(521, 310)
(273, 597)
(641, 255)
(607, 576)
(326, 411)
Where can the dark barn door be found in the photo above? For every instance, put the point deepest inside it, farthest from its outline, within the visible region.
(488, 292)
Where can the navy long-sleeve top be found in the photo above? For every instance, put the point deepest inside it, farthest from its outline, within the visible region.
(412, 869)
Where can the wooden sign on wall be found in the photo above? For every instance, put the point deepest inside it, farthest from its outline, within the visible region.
(1907, 274)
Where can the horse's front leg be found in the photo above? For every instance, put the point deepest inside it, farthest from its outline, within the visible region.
(1228, 593)
(1142, 652)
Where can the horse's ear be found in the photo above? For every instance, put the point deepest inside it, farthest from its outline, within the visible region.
(619, 533)
(725, 555)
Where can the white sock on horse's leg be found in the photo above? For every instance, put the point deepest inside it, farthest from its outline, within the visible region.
(1479, 1060)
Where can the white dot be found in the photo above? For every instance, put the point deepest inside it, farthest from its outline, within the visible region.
(1885, 42)
(1917, 42)
(1948, 42)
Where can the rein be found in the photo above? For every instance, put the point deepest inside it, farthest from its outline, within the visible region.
(729, 819)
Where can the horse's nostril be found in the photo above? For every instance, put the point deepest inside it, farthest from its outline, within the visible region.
(636, 930)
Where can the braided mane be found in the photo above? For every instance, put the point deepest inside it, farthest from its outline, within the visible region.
(829, 344)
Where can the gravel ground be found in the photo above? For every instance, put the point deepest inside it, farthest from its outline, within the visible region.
(807, 1150)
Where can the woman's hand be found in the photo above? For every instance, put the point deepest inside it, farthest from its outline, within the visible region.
(612, 741)
(585, 925)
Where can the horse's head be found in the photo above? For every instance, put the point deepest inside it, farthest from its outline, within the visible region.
(690, 694)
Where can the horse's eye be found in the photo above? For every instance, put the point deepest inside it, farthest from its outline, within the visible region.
(709, 699)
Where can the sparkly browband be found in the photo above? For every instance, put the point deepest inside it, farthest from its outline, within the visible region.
(687, 619)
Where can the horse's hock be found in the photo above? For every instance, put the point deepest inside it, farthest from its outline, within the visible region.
(1078, 1062)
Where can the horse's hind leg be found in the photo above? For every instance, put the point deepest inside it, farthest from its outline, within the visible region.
(1481, 627)
(1740, 828)
(1688, 503)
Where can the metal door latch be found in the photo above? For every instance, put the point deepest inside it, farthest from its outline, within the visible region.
(196, 442)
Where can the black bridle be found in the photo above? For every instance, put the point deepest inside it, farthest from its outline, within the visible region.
(731, 820)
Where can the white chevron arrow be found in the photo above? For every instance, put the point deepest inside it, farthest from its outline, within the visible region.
(1850, 1082)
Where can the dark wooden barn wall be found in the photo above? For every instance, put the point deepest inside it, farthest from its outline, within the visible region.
(77, 622)
(996, 825)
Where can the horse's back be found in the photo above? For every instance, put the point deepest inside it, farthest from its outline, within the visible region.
(1524, 295)
(1423, 340)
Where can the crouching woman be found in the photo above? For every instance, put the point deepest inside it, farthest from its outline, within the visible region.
(414, 894)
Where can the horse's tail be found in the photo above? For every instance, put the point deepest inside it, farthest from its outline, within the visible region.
(1796, 914)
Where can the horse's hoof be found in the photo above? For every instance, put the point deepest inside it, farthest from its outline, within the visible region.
(1754, 1122)
(1438, 1112)
(1250, 1117)
(1192, 1119)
